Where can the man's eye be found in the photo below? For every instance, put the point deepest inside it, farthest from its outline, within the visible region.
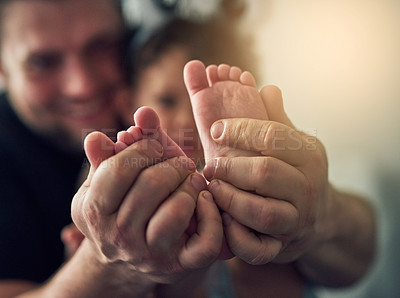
(43, 63)
(167, 101)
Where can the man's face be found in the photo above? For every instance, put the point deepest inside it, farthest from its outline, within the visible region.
(60, 61)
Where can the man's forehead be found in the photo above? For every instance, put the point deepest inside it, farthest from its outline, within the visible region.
(44, 23)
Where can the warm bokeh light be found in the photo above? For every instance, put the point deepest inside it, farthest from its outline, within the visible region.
(338, 65)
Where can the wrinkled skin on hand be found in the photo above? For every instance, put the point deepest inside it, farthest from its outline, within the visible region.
(275, 203)
(135, 211)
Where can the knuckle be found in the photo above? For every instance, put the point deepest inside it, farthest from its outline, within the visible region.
(176, 177)
(240, 247)
(154, 179)
(112, 246)
(257, 254)
(267, 135)
(263, 168)
(141, 154)
(261, 256)
(187, 202)
(224, 167)
(238, 133)
(90, 213)
(182, 214)
(227, 202)
(209, 253)
(262, 171)
(115, 173)
(162, 174)
(153, 235)
(123, 228)
(247, 134)
(179, 167)
(267, 217)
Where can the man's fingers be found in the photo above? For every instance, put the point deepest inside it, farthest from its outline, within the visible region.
(122, 170)
(268, 138)
(169, 223)
(151, 188)
(265, 215)
(251, 247)
(203, 247)
(266, 176)
(110, 182)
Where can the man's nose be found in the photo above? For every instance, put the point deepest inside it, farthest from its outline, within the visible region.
(79, 80)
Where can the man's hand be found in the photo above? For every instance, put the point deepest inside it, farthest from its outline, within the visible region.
(136, 211)
(280, 207)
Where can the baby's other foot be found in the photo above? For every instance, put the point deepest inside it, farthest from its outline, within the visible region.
(127, 137)
(98, 147)
(221, 92)
(147, 125)
(149, 122)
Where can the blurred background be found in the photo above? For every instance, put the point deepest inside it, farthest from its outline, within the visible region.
(338, 65)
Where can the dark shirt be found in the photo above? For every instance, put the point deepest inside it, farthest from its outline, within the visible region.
(37, 184)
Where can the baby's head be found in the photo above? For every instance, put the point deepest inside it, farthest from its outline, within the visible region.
(157, 76)
(160, 86)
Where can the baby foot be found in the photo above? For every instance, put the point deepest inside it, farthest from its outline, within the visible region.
(99, 147)
(127, 137)
(147, 125)
(220, 92)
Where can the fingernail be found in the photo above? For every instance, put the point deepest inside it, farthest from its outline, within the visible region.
(207, 196)
(198, 182)
(210, 168)
(217, 130)
(214, 186)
